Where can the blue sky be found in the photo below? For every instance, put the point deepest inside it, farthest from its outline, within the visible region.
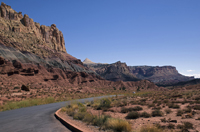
(138, 32)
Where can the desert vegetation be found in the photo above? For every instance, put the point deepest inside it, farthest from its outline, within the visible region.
(152, 111)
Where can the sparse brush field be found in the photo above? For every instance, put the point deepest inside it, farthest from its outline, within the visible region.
(141, 112)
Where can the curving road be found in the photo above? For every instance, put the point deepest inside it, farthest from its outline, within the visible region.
(35, 119)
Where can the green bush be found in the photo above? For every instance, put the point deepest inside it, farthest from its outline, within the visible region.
(133, 115)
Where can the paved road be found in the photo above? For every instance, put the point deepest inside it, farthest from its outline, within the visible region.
(34, 119)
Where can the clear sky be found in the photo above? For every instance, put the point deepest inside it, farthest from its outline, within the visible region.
(138, 32)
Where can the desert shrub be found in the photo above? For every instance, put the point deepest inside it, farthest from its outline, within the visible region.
(163, 120)
(70, 111)
(168, 111)
(143, 100)
(166, 101)
(188, 125)
(156, 113)
(82, 109)
(150, 129)
(171, 126)
(79, 115)
(145, 114)
(88, 118)
(151, 105)
(174, 106)
(124, 110)
(63, 109)
(16, 87)
(133, 102)
(197, 107)
(156, 108)
(187, 110)
(197, 98)
(179, 113)
(118, 125)
(133, 115)
(155, 101)
(104, 104)
(136, 108)
(179, 126)
(124, 88)
(124, 102)
(100, 120)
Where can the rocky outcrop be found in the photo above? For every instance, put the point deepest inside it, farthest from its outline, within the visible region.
(23, 31)
(114, 72)
(164, 75)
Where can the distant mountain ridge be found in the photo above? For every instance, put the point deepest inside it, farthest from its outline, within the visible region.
(164, 75)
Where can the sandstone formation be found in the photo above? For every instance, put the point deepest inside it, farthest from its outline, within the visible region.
(27, 35)
(114, 72)
(165, 75)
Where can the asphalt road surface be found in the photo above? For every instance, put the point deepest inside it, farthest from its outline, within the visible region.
(35, 119)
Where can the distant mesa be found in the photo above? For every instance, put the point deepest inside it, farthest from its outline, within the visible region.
(164, 75)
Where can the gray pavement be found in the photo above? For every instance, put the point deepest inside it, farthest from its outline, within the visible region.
(34, 119)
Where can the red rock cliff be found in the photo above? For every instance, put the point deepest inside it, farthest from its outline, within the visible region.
(22, 29)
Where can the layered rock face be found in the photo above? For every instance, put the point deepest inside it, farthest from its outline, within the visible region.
(165, 75)
(27, 35)
(114, 72)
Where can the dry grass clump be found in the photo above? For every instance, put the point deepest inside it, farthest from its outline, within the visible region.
(118, 125)
(150, 129)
